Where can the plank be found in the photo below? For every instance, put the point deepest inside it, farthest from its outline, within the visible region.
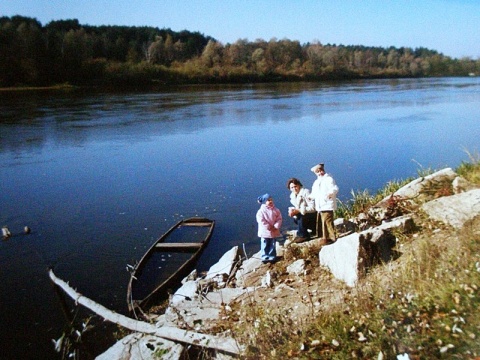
(178, 245)
(196, 224)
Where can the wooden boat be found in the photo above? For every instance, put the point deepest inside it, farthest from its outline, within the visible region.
(169, 258)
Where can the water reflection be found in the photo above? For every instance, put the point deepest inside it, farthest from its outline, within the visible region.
(29, 123)
(99, 176)
(409, 118)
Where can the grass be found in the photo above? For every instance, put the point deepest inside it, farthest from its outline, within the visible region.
(470, 170)
(424, 304)
(362, 200)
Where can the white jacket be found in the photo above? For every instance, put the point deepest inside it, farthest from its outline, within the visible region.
(324, 191)
(301, 201)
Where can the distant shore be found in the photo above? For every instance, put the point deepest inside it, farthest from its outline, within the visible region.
(38, 88)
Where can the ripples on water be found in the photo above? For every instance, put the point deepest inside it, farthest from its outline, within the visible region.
(99, 176)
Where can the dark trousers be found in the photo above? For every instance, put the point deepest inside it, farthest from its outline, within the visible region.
(305, 222)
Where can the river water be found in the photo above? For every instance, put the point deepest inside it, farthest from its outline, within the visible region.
(99, 176)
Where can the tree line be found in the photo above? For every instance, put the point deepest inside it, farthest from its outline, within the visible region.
(65, 51)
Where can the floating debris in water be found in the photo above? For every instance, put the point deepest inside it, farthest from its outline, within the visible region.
(5, 232)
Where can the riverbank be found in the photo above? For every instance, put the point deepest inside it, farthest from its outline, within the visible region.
(38, 88)
(421, 303)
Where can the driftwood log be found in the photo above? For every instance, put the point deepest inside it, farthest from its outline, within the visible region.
(227, 345)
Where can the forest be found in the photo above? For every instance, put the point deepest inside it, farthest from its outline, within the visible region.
(67, 52)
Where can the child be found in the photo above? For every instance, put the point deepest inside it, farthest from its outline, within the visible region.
(269, 221)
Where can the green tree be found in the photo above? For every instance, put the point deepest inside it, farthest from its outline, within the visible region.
(76, 50)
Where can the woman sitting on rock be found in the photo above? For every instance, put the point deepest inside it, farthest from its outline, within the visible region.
(303, 210)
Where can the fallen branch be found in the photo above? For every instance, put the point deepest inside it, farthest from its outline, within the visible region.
(227, 345)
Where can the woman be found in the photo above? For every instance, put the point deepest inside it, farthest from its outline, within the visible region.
(303, 210)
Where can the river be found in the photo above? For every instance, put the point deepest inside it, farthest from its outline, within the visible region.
(99, 176)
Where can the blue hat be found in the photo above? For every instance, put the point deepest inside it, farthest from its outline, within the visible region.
(261, 199)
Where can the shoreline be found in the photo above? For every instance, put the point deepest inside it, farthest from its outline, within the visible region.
(306, 284)
(38, 88)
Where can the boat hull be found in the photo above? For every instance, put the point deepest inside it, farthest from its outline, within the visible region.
(178, 249)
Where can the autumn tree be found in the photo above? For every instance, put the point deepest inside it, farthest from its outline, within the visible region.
(212, 54)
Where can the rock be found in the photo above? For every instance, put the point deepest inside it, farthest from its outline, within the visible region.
(187, 291)
(350, 257)
(267, 280)
(199, 303)
(191, 277)
(225, 264)
(246, 271)
(404, 223)
(376, 246)
(460, 185)
(225, 296)
(279, 249)
(142, 347)
(297, 267)
(378, 214)
(342, 259)
(344, 227)
(194, 314)
(454, 210)
(413, 188)
(199, 312)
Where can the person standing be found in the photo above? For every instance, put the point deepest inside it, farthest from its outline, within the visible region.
(269, 221)
(303, 210)
(324, 192)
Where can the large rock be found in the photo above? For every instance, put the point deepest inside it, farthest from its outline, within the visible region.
(350, 257)
(454, 210)
(246, 275)
(342, 258)
(414, 188)
(224, 265)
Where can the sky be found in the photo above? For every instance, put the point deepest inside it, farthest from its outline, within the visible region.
(450, 27)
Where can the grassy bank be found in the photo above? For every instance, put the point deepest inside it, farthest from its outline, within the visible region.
(424, 304)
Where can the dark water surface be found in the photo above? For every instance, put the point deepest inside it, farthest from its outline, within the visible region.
(98, 177)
